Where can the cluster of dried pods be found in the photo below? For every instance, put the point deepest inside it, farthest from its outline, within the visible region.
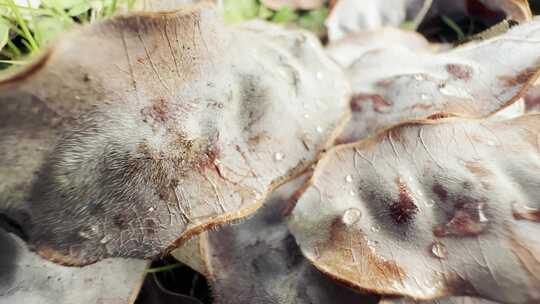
(384, 166)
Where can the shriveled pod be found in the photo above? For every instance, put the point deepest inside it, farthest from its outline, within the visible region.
(26, 278)
(258, 261)
(174, 124)
(430, 209)
(395, 84)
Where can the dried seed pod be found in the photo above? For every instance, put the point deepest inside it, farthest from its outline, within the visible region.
(449, 207)
(174, 124)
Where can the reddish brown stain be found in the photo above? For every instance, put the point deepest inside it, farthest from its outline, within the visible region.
(404, 209)
(521, 78)
(477, 169)
(422, 106)
(437, 116)
(256, 139)
(379, 104)
(522, 212)
(532, 99)
(440, 191)
(157, 112)
(356, 102)
(469, 219)
(459, 71)
(209, 159)
(345, 247)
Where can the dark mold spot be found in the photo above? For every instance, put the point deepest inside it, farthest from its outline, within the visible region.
(404, 209)
(440, 191)
(121, 221)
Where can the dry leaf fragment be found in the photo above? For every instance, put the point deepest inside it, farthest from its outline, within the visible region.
(430, 209)
(174, 124)
(392, 85)
(27, 278)
(347, 50)
(258, 261)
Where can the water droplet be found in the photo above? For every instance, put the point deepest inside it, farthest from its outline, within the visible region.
(279, 156)
(419, 77)
(319, 75)
(444, 90)
(469, 220)
(348, 179)
(375, 228)
(372, 244)
(351, 216)
(85, 234)
(439, 250)
(523, 212)
(151, 209)
(105, 239)
(352, 193)
(77, 97)
(319, 129)
(453, 91)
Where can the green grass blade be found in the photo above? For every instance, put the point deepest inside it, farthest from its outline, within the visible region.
(14, 49)
(451, 24)
(24, 27)
(14, 62)
(164, 268)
